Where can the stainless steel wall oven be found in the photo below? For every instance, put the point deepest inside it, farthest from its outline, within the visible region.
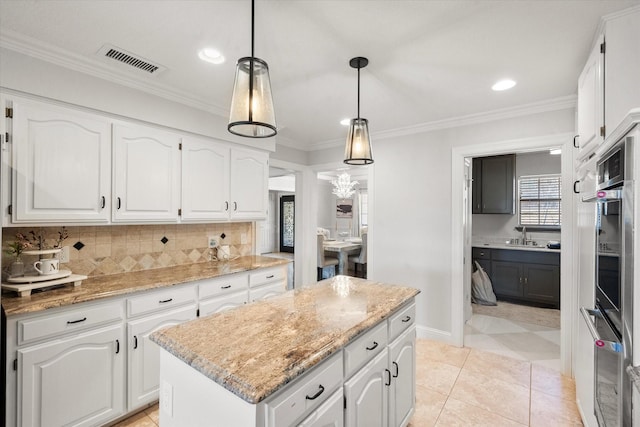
(610, 321)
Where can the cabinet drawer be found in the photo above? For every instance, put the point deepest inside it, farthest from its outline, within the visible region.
(71, 320)
(530, 257)
(481, 253)
(267, 291)
(400, 321)
(267, 275)
(303, 397)
(223, 285)
(167, 298)
(364, 348)
(222, 303)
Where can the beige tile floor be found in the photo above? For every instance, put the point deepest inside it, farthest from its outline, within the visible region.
(472, 387)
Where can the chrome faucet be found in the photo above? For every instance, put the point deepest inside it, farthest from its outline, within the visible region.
(524, 235)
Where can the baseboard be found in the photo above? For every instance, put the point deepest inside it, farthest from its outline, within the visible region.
(434, 334)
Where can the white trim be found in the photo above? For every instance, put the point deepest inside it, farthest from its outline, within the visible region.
(568, 294)
(554, 104)
(433, 334)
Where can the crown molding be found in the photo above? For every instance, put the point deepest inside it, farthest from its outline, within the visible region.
(29, 46)
(554, 104)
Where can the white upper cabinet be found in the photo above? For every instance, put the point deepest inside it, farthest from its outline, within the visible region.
(146, 180)
(622, 67)
(205, 180)
(62, 165)
(590, 101)
(249, 184)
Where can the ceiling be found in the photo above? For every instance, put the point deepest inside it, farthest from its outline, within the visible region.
(429, 61)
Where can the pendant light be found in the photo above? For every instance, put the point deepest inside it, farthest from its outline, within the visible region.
(252, 113)
(358, 148)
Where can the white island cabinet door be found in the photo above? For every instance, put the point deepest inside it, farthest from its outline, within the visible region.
(329, 414)
(402, 392)
(367, 394)
(62, 165)
(205, 180)
(146, 174)
(144, 355)
(54, 379)
(249, 184)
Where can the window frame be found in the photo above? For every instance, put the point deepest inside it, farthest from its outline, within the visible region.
(539, 226)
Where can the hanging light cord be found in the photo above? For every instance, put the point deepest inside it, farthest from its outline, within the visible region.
(358, 92)
(251, 62)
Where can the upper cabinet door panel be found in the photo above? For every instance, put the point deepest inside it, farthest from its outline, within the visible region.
(146, 174)
(622, 68)
(497, 190)
(205, 180)
(249, 184)
(62, 165)
(590, 101)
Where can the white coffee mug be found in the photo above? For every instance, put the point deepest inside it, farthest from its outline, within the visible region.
(47, 266)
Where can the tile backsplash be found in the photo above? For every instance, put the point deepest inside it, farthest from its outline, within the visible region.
(100, 250)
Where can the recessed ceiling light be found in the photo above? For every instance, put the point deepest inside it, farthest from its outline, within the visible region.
(211, 55)
(503, 85)
(345, 122)
(555, 151)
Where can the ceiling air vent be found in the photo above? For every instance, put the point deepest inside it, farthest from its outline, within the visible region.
(130, 59)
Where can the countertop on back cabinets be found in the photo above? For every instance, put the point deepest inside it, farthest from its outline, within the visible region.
(541, 248)
(256, 349)
(100, 287)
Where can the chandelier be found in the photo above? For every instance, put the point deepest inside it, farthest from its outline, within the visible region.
(343, 186)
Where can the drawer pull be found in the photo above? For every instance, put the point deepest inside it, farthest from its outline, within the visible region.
(373, 347)
(225, 287)
(270, 276)
(135, 343)
(117, 346)
(104, 203)
(397, 370)
(71, 322)
(315, 396)
(389, 373)
(119, 203)
(165, 301)
(406, 319)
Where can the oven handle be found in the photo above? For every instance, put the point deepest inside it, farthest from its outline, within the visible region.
(612, 346)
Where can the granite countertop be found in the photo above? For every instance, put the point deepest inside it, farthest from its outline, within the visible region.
(256, 349)
(540, 248)
(99, 287)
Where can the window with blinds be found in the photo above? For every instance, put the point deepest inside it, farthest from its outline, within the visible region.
(539, 200)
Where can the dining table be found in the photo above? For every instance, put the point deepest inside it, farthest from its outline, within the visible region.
(343, 249)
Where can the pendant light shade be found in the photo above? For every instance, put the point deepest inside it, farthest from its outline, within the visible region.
(357, 150)
(252, 114)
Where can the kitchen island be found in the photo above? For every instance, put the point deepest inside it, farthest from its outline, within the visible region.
(341, 349)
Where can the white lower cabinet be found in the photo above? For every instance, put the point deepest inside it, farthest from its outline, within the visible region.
(144, 355)
(402, 390)
(366, 394)
(329, 414)
(76, 380)
(222, 303)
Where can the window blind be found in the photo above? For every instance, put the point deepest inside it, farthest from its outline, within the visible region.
(539, 200)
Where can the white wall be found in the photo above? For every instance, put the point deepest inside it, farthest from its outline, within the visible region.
(503, 225)
(410, 206)
(32, 76)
